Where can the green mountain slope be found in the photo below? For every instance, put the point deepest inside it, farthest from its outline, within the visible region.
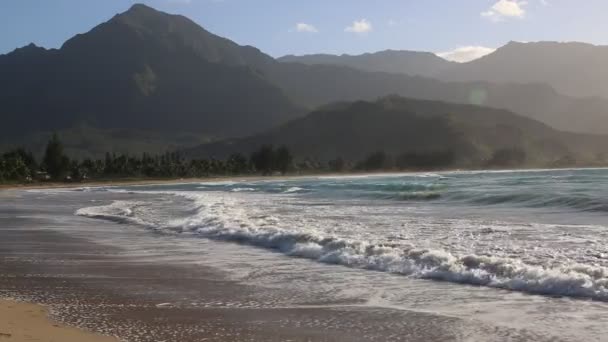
(142, 70)
(398, 125)
(572, 68)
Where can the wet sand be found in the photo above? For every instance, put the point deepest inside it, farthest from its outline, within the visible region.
(100, 289)
(127, 281)
(20, 322)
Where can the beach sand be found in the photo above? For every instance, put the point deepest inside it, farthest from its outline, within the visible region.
(47, 258)
(28, 322)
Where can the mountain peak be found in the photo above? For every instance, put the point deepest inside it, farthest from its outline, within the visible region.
(141, 8)
(29, 49)
(140, 15)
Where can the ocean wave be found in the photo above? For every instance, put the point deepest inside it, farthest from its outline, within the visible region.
(243, 189)
(406, 196)
(118, 211)
(294, 189)
(531, 199)
(509, 274)
(219, 220)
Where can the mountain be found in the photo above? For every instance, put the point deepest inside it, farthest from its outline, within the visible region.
(397, 125)
(143, 70)
(149, 73)
(575, 69)
(315, 85)
(414, 63)
(572, 68)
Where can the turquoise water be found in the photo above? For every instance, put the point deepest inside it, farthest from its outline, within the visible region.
(569, 190)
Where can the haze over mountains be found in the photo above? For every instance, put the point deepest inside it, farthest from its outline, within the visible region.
(469, 134)
(140, 79)
(571, 68)
(413, 63)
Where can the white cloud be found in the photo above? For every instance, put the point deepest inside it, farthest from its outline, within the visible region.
(306, 28)
(359, 26)
(465, 53)
(504, 9)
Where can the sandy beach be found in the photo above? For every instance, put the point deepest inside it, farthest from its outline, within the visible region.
(148, 296)
(21, 322)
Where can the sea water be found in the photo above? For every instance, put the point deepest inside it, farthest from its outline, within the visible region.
(510, 246)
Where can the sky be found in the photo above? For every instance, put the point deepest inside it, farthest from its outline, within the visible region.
(454, 29)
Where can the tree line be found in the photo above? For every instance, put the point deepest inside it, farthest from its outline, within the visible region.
(20, 166)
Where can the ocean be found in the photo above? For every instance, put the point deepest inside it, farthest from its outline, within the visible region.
(526, 251)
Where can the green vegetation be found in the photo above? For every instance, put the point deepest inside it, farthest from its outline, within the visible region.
(19, 166)
(390, 134)
(395, 133)
(142, 71)
(56, 163)
(268, 160)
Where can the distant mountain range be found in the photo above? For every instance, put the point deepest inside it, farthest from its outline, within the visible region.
(398, 126)
(413, 63)
(572, 68)
(149, 73)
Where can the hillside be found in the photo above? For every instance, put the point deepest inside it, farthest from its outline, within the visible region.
(575, 69)
(320, 84)
(161, 75)
(398, 125)
(572, 68)
(143, 70)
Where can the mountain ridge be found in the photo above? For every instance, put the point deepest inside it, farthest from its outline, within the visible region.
(119, 76)
(148, 70)
(399, 125)
(415, 63)
(572, 68)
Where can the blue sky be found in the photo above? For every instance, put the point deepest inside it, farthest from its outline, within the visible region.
(280, 27)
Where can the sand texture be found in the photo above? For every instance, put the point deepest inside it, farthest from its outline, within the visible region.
(28, 322)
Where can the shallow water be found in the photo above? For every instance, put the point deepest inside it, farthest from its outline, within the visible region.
(524, 250)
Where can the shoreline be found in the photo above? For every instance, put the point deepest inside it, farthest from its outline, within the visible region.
(236, 178)
(21, 321)
(120, 279)
(83, 284)
(127, 182)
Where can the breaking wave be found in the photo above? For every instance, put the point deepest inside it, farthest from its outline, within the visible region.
(220, 220)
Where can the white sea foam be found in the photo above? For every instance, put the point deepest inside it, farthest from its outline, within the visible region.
(118, 211)
(50, 191)
(242, 189)
(222, 218)
(294, 189)
(217, 183)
